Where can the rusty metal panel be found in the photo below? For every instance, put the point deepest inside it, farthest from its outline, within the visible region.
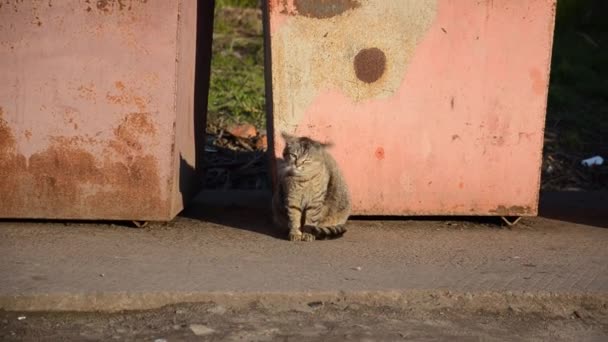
(435, 107)
(89, 104)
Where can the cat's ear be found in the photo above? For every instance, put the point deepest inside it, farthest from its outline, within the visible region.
(288, 137)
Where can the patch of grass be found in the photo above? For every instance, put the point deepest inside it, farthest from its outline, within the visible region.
(236, 93)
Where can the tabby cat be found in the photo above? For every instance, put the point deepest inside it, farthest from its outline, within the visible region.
(311, 199)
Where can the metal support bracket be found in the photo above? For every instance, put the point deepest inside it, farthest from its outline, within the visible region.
(140, 224)
(510, 221)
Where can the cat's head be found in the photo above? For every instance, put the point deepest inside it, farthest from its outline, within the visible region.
(302, 154)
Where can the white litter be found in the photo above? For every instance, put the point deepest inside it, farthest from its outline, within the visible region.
(201, 330)
(593, 161)
(21, 318)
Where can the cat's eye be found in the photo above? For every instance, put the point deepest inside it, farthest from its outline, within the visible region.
(293, 156)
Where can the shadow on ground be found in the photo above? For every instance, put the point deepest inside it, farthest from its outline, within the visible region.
(246, 210)
(581, 207)
(250, 211)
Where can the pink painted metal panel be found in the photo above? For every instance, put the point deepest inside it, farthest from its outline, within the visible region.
(88, 107)
(435, 107)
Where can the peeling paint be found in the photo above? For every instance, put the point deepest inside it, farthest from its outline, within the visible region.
(325, 56)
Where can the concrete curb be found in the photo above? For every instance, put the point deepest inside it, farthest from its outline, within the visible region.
(545, 303)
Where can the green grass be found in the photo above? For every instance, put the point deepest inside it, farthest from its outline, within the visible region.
(236, 93)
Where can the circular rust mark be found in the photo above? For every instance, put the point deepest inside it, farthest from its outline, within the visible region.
(379, 153)
(370, 64)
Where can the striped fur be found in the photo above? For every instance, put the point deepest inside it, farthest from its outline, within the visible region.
(311, 200)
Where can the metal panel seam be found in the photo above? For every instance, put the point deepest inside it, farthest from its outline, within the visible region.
(170, 184)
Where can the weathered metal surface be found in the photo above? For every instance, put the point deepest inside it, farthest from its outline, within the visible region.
(435, 107)
(93, 94)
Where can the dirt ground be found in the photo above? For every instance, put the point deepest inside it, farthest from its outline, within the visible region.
(557, 266)
(321, 322)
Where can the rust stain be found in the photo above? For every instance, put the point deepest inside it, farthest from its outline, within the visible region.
(497, 140)
(128, 133)
(87, 92)
(524, 135)
(379, 153)
(512, 210)
(127, 97)
(70, 114)
(370, 64)
(67, 180)
(461, 185)
(108, 6)
(456, 137)
(27, 134)
(12, 166)
(7, 140)
(74, 141)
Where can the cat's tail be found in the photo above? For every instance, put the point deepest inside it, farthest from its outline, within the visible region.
(328, 232)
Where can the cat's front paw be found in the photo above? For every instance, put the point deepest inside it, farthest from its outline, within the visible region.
(308, 237)
(295, 236)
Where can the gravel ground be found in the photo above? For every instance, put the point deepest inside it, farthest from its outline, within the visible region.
(318, 322)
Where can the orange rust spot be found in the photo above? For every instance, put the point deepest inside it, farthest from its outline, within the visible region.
(140, 103)
(127, 97)
(379, 153)
(461, 185)
(27, 134)
(128, 133)
(87, 92)
(7, 140)
(11, 168)
(512, 210)
(74, 141)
